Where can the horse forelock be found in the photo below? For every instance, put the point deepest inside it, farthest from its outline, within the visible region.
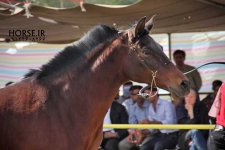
(72, 54)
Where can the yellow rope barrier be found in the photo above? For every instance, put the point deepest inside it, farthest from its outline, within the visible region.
(159, 126)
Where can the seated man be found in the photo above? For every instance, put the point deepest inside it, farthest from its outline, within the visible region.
(126, 93)
(137, 113)
(160, 112)
(129, 103)
(111, 137)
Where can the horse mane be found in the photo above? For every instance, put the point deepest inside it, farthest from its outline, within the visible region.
(98, 35)
(31, 73)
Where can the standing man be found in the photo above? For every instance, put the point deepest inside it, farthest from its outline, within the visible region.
(194, 77)
(217, 136)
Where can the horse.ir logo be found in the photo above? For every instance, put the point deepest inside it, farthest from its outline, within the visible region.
(26, 35)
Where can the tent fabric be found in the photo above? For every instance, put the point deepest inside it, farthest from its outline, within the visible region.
(67, 25)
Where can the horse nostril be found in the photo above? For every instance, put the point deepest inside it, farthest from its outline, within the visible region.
(185, 84)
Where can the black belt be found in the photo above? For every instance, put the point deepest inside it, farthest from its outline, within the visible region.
(219, 128)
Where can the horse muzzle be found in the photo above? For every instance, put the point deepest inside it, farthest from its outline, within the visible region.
(185, 86)
(182, 90)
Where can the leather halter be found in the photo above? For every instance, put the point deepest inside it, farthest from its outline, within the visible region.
(154, 73)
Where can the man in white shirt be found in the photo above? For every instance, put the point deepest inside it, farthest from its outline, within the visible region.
(160, 112)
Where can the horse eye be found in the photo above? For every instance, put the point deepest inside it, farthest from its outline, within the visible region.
(146, 51)
(167, 63)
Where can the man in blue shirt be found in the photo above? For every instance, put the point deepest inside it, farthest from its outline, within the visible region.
(138, 111)
(126, 92)
(160, 112)
(129, 103)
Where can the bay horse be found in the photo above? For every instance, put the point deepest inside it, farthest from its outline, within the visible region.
(62, 105)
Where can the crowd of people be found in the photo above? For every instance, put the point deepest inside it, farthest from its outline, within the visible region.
(131, 108)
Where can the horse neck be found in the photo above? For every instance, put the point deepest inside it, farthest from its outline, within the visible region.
(93, 86)
(105, 75)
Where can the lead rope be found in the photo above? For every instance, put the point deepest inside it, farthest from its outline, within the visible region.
(204, 65)
(153, 82)
(145, 95)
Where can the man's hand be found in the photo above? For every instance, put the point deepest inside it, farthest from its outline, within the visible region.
(146, 121)
(190, 110)
(136, 137)
(132, 138)
(189, 107)
(145, 132)
(110, 134)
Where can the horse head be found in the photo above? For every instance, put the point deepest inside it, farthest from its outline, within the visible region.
(150, 62)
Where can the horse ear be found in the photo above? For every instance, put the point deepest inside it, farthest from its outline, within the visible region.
(140, 26)
(149, 24)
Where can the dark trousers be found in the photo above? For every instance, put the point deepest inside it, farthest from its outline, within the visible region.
(216, 140)
(161, 141)
(110, 144)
